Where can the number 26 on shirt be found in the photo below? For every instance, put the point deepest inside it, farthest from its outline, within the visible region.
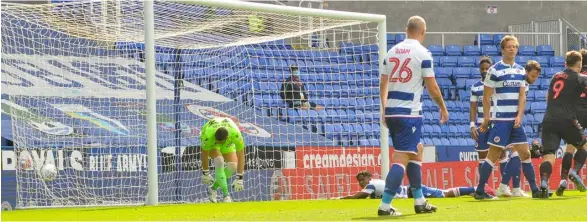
(404, 74)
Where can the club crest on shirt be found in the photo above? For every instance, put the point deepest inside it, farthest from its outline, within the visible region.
(496, 139)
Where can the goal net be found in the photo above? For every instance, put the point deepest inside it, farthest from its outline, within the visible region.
(73, 92)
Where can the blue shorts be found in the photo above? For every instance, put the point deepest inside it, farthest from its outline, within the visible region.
(405, 133)
(481, 142)
(429, 192)
(503, 134)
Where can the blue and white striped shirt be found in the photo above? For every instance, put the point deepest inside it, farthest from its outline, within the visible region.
(506, 80)
(477, 96)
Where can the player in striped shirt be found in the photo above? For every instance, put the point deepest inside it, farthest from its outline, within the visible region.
(373, 188)
(506, 83)
(407, 69)
(476, 111)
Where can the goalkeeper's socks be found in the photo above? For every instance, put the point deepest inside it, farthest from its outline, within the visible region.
(514, 170)
(580, 157)
(462, 191)
(392, 182)
(529, 174)
(566, 165)
(486, 170)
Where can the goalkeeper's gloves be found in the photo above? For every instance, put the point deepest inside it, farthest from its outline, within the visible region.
(206, 178)
(237, 185)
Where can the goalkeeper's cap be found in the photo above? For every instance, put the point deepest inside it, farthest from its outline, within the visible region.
(293, 68)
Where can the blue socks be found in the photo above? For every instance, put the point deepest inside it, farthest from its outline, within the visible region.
(484, 174)
(513, 171)
(481, 162)
(465, 191)
(392, 182)
(414, 171)
(529, 174)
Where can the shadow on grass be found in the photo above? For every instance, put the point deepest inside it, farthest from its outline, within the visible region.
(423, 216)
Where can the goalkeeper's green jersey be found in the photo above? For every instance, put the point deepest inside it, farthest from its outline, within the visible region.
(233, 143)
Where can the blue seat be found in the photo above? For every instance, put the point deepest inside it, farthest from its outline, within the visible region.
(460, 106)
(428, 117)
(293, 116)
(445, 142)
(475, 73)
(428, 141)
(489, 50)
(485, 39)
(427, 130)
(436, 50)
(364, 142)
(427, 105)
(444, 130)
(453, 141)
(495, 59)
(461, 83)
(436, 142)
(529, 131)
(375, 142)
(466, 61)
(527, 50)
(436, 61)
(541, 95)
(449, 61)
(399, 38)
(530, 119)
(464, 95)
(544, 83)
(451, 106)
(542, 60)
(453, 50)
(453, 131)
(538, 117)
(443, 72)
(472, 50)
(522, 60)
(462, 142)
(390, 38)
(550, 71)
(557, 61)
(497, 39)
(538, 107)
(462, 72)
(435, 131)
(544, 50)
(464, 130)
(470, 82)
(530, 97)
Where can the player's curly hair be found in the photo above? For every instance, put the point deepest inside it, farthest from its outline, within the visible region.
(221, 134)
(485, 59)
(364, 173)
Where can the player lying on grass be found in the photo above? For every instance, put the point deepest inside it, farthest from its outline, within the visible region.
(373, 188)
(570, 155)
(221, 140)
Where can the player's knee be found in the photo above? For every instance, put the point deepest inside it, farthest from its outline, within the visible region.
(494, 153)
(399, 157)
(219, 163)
(547, 151)
(231, 166)
(570, 148)
(482, 155)
(524, 154)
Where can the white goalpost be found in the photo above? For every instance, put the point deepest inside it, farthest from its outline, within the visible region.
(115, 95)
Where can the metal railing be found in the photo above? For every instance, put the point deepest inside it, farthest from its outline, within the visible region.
(468, 38)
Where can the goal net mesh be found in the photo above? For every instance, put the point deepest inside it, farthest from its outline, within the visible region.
(73, 92)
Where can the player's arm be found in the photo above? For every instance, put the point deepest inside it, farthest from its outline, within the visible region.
(239, 143)
(521, 103)
(368, 190)
(488, 87)
(206, 178)
(583, 81)
(432, 86)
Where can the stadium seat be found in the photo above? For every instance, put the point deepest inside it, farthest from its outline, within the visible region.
(466, 61)
(428, 141)
(464, 130)
(495, 59)
(399, 38)
(531, 95)
(436, 61)
(390, 38)
(462, 142)
(428, 118)
(435, 131)
(530, 119)
(557, 61)
(538, 107)
(470, 82)
(472, 50)
(436, 50)
(448, 61)
(529, 131)
(460, 105)
(538, 117)
(461, 83)
(544, 50)
(497, 39)
(462, 72)
(550, 71)
(526, 50)
(463, 95)
(541, 95)
(489, 50)
(436, 142)
(453, 131)
(453, 50)
(485, 39)
(475, 73)
(544, 83)
(522, 60)
(445, 142)
(450, 106)
(542, 60)
(443, 72)
(453, 141)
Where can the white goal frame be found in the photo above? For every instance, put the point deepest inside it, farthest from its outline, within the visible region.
(153, 187)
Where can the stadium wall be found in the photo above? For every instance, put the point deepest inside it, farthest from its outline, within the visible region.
(466, 16)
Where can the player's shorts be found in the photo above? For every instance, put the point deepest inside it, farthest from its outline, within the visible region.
(225, 149)
(555, 130)
(481, 142)
(503, 134)
(429, 192)
(405, 133)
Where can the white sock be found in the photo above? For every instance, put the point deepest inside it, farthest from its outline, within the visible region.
(384, 206)
(420, 201)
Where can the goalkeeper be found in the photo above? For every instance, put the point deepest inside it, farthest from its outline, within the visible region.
(222, 141)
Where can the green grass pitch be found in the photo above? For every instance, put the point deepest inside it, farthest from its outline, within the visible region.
(571, 207)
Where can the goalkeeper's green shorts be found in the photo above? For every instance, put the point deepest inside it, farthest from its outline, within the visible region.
(225, 149)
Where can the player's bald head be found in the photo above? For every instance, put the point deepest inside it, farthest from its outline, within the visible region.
(416, 24)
